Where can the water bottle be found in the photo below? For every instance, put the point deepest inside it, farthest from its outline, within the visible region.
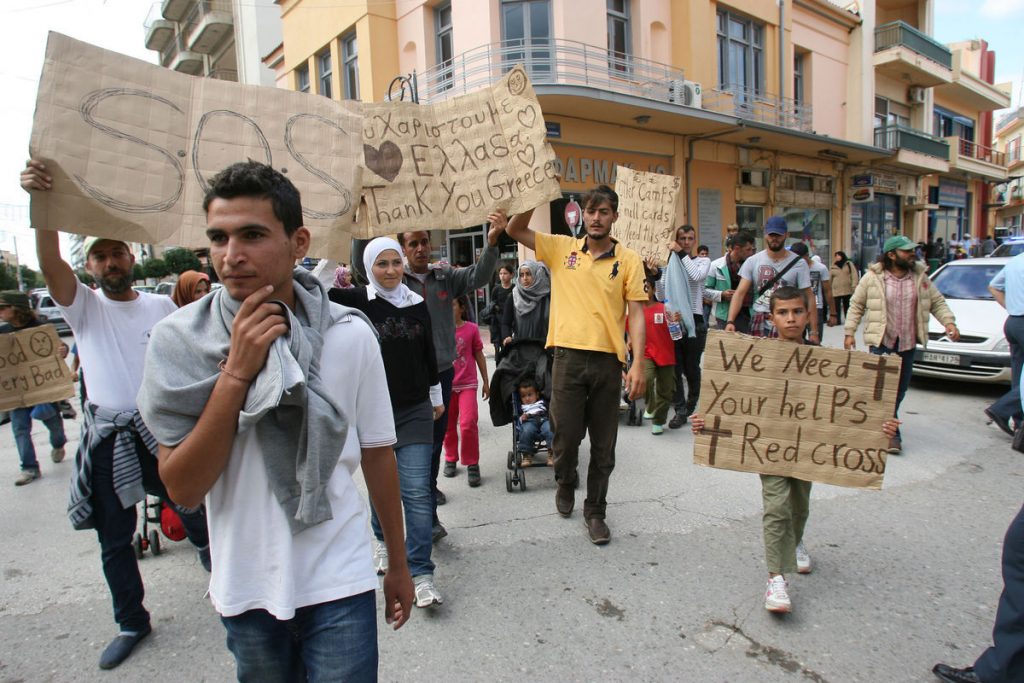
(675, 330)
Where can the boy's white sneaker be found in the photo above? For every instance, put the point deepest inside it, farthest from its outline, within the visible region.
(803, 560)
(776, 596)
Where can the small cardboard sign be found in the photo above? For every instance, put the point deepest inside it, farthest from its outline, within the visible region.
(451, 163)
(31, 369)
(647, 211)
(795, 410)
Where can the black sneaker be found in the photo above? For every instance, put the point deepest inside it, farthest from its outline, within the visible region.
(121, 647)
(474, 475)
(449, 468)
(677, 421)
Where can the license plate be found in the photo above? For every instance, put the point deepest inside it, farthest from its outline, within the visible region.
(942, 358)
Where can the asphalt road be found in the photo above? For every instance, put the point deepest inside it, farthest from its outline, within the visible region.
(904, 577)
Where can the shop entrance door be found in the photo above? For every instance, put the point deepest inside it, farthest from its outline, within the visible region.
(465, 250)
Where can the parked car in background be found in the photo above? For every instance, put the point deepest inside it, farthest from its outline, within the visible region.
(46, 309)
(1010, 246)
(165, 288)
(149, 289)
(982, 354)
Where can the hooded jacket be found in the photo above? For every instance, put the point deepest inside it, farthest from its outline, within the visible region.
(869, 302)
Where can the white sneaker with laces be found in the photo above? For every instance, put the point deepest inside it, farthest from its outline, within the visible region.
(776, 596)
(380, 558)
(426, 594)
(803, 560)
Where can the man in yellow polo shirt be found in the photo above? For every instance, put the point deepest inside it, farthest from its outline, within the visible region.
(594, 281)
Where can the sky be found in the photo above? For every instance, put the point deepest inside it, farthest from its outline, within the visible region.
(119, 25)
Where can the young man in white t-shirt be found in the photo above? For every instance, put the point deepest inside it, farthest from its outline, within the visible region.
(267, 414)
(116, 462)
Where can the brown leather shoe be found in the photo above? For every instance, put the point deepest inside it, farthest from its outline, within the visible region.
(565, 499)
(597, 530)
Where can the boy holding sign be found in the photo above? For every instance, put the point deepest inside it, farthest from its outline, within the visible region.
(786, 499)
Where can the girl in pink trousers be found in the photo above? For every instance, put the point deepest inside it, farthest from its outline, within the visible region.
(462, 411)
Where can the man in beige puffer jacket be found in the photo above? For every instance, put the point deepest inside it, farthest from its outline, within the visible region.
(898, 297)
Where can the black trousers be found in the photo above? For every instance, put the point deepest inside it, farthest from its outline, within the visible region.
(688, 353)
(1004, 661)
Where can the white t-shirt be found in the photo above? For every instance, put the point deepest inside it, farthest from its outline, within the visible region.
(819, 273)
(112, 338)
(760, 269)
(257, 562)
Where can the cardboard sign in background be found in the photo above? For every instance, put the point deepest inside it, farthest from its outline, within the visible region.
(451, 163)
(795, 410)
(647, 211)
(31, 369)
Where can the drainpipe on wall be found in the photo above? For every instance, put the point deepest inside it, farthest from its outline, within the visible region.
(782, 52)
(689, 157)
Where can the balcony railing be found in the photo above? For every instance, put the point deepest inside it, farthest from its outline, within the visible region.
(569, 62)
(973, 150)
(749, 104)
(896, 136)
(900, 33)
(551, 61)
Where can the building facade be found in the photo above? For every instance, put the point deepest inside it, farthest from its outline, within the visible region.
(852, 124)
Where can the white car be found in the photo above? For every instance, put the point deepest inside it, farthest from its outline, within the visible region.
(982, 354)
(48, 312)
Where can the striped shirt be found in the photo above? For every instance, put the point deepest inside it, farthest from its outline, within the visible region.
(900, 312)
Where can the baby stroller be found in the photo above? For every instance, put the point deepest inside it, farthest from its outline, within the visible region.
(522, 358)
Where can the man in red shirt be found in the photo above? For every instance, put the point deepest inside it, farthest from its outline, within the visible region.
(659, 362)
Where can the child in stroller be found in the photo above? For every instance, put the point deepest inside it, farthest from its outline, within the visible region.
(533, 424)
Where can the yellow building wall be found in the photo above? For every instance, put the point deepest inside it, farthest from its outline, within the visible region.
(825, 69)
(308, 26)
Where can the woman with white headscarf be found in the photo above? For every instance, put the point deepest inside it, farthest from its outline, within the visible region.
(527, 317)
(402, 322)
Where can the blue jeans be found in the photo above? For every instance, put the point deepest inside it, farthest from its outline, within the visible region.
(21, 423)
(530, 430)
(1008, 406)
(906, 371)
(414, 462)
(332, 641)
(445, 377)
(115, 526)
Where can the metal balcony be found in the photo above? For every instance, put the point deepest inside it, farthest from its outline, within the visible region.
(159, 33)
(751, 105)
(174, 10)
(977, 160)
(913, 149)
(907, 54)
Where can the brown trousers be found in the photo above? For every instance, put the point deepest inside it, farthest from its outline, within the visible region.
(586, 389)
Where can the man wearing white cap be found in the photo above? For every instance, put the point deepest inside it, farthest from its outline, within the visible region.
(116, 463)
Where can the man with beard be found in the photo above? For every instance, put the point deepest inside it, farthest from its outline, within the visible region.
(897, 297)
(116, 463)
(762, 274)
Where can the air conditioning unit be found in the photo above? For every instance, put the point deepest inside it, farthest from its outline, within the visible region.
(686, 93)
(916, 95)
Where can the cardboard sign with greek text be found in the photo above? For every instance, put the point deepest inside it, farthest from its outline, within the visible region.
(451, 163)
(793, 410)
(647, 211)
(31, 369)
(132, 146)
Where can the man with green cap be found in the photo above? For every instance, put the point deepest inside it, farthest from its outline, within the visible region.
(895, 298)
(17, 314)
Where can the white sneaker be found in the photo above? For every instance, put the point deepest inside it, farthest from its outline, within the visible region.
(380, 558)
(776, 597)
(426, 594)
(803, 560)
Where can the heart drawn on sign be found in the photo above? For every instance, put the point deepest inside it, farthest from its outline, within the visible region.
(385, 161)
(527, 155)
(527, 116)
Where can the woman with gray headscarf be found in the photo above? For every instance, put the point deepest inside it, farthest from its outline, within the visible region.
(527, 317)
